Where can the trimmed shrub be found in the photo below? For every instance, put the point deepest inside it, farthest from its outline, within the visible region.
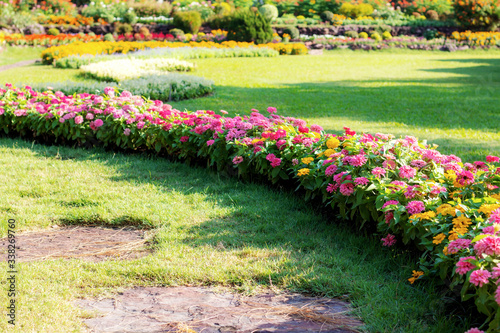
(53, 32)
(478, 14)
(171, 87)
(351, 34)
(292, 31)
(432, 15)
(123, 28)
(109, 37)
(248, 26)
(386, 35)
(326, 16)
(189, 22)
(270, 12)
(176, 33)
(376, 36)
(430, 34)
(363, 35)
(222, 8)
(151, 8)
(354, 11)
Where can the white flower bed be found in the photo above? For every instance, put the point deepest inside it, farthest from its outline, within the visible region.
(126, 69)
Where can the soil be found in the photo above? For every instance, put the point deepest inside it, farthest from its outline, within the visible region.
(197, 309)
(86, 243)
(17, 64)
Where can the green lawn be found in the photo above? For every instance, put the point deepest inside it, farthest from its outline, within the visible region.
(213, 230)
(451, 99)
(15, 54)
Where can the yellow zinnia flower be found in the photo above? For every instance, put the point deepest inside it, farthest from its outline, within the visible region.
(307, 160)
(303, 172)
(439, 238)
(332, 143)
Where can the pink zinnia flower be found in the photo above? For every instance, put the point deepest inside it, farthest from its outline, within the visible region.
(330, 170)
(389, 240)
(316, 128)
(98, 123)
(276, 162)
(415, 207)
(388, 217)
(140, 124)
(463, 266)
(89, 116)
(358, 160)
(78, 119)
(210, 142)
(331, 188)
(407, 172)
(378, 171)
(497, 295)
(492, 159)
(347, 189)
(361, 181)
(458, 244)
(126, 131)
(390, 202)
(489, 245)
(389, 164)
(109, 91)
(270, 157)
(184, 138)
(295, 161)
(126, 94)
(271, 110)
(479, 277)
(474, 330)
(496, 272)
(237, 160)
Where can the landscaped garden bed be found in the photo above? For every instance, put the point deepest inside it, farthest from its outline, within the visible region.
(447, 209)
(108, 72)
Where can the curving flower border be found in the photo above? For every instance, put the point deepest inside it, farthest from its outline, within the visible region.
(448, 209)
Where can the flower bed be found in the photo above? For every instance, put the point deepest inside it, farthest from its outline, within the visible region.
(448, 209)
(171, 87)
(98, 48)
(48, 40)
(126, 69)
(76, 62)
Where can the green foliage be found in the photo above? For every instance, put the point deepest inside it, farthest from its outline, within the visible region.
(189, 22)
(130, 17)
(351, 34)
(222, 8)
(376, 36)
(123, 28)
(326, 16)
(53, 32)
(9, 18)
(354, 11)
(248, 26)
(151, 8)
(110, 13)
(363, 35)
(270, 12)
(109, 37)
(171, 87)
(430, 34)
(292, 31)
(176, 32)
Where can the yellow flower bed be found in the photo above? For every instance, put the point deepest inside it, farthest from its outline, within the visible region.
(481, 38)
(97, 48)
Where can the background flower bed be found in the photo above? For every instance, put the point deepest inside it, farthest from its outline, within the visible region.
(411, 190)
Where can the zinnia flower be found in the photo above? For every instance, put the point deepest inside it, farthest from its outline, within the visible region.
(389, 240)
(237, 159)
(415, 207)
(479, 277)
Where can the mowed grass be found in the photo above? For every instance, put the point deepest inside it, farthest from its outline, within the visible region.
(210, 230)
(12, 55)
(450, 99)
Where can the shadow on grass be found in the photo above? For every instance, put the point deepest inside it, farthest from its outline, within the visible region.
(310, 253)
